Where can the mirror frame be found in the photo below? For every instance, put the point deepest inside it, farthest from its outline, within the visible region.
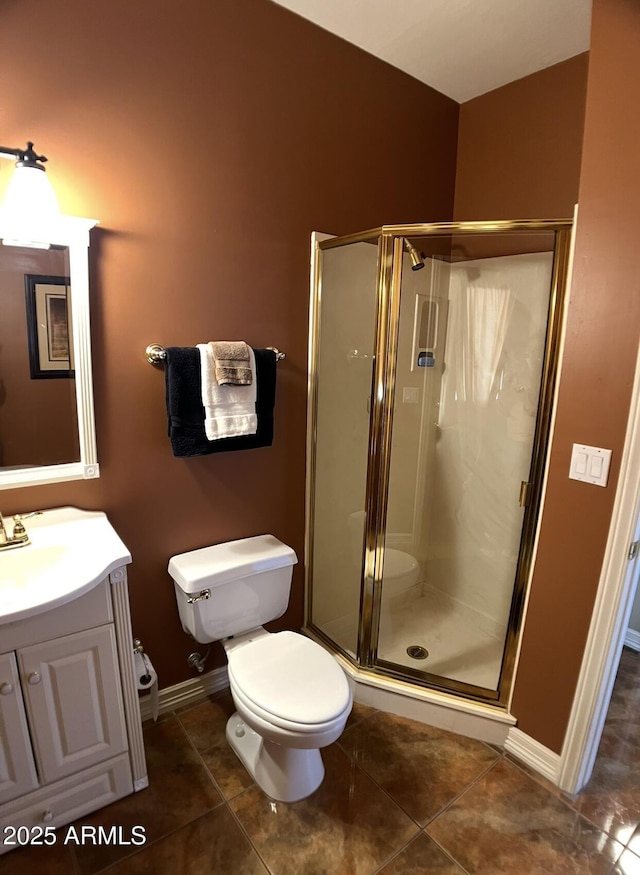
(72, 232)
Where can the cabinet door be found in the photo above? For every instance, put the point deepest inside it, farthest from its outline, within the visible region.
(74, 701)
(17, 769)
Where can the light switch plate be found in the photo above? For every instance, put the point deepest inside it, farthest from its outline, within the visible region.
(590, 464)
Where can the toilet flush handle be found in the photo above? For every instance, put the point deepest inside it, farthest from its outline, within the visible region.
(204, 594)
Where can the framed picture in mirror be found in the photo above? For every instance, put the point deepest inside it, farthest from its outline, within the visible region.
(49, 326)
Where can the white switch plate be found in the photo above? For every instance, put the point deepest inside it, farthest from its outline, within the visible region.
(590, 464)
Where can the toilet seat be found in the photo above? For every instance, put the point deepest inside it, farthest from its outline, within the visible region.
(290, 681)
(265, 722)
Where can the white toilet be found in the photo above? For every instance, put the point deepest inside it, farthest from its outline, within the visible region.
(291, 696)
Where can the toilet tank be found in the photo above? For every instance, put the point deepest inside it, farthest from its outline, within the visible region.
(233, 587)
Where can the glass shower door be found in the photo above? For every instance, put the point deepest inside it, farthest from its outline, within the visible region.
(471, 345)
(344, 355)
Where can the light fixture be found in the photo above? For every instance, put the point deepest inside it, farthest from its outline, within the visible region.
(30, 200)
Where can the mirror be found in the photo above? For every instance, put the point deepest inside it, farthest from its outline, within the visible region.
(47, 431)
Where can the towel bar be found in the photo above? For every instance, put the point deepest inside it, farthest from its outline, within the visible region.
(156, 354)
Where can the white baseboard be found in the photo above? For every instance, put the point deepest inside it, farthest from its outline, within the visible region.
(186, 692)
(533, 754)
(632, 640)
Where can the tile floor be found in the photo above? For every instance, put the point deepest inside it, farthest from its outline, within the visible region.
(399, 798)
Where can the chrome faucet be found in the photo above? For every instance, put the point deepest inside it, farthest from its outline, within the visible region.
(19, 538)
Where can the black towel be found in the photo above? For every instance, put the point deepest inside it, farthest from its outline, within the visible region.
(185, 412)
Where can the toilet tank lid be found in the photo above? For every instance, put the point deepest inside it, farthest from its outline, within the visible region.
(221, 563)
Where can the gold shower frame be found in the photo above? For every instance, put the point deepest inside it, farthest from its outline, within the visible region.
(389, 240)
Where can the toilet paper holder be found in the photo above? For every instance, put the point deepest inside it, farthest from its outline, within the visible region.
(147, 677)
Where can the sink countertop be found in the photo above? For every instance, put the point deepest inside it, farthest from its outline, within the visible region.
(71, 551)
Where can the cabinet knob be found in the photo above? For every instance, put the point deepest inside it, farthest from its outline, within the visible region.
(6, 689)
(34, 678)
(47, 816)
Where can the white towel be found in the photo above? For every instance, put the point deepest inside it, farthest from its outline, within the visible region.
(229, 411)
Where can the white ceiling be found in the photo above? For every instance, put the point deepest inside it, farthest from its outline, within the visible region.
(461, 48)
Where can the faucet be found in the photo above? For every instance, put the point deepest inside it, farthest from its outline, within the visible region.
(19, 538)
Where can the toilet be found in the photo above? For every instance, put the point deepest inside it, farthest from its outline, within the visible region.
(291, 696)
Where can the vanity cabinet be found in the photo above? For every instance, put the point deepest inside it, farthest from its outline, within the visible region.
(17, 767)
(73, 701)
(70, 733)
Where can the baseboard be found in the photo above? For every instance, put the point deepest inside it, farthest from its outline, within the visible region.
(186, 692)
(632, 640)
(533, 754)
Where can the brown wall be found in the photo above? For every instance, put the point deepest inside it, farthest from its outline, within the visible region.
(38, 420)
(210, 139)
(519, 147)
(597, 376)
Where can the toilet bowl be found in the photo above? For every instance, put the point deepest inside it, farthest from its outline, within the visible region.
(291, 696)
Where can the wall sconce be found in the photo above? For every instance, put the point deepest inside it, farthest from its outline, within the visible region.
(30, 200)
(29, 194)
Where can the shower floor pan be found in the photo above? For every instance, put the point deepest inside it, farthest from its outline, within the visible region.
(457, 648)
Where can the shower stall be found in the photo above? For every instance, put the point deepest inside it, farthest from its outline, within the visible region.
(433, 352)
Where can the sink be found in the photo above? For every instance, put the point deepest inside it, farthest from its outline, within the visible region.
(71, 551)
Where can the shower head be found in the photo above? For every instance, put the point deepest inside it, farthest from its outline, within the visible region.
(417, 259)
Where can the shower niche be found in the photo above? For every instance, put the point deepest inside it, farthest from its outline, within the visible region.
(427, 447)
(425, 331)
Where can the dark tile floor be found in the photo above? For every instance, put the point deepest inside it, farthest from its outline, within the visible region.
(399, 798)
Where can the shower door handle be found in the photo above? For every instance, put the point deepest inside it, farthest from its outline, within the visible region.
(524, 493)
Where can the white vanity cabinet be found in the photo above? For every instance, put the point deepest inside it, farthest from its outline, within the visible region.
(73, 701)
(70, 730)
(17, 767)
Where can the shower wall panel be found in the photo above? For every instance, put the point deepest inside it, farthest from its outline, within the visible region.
(424, 297)
(493, 361)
